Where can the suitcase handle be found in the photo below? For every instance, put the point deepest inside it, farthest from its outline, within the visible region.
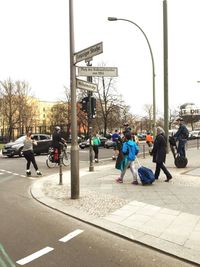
(138, 162)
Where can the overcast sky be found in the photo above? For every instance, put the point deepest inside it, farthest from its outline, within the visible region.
(35, 46)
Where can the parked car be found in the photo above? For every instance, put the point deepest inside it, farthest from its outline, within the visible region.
(15, 148)
(141, 136)
(109, 144)
(194, 135)
(86, 143)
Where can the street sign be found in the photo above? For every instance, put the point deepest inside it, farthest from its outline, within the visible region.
(86, 85)
(88, 52)
(98, 71)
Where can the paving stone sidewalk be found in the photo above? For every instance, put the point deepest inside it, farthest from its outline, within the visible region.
(165, 216)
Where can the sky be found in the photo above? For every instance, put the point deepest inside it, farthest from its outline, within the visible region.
(35, 46)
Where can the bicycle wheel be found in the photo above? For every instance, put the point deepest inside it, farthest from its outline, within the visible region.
(49, 162)
(66, 160)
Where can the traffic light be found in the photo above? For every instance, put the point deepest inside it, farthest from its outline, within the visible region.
(85, 104)
(93, 106)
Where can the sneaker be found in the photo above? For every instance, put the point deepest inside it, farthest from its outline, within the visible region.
(119, 180)
(39, 173)
(135, 182)
(96, 160)
(113, 158)
(28, 173)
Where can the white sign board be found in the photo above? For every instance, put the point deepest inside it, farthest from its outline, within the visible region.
(98, 71)
(86, 85)
(88, 53)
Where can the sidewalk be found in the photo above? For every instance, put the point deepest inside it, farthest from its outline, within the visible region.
(165, 216)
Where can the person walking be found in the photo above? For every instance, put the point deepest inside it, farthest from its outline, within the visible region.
(159, 154)
(115, 136)
(181, 136)
(130, 150)
(29, 154)
(95, 143)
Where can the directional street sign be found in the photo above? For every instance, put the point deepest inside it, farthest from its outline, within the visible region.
(98, 71)
(86, 85)
(88, 53)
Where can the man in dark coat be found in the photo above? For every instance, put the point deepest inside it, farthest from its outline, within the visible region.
(181, 136)
(159, 154)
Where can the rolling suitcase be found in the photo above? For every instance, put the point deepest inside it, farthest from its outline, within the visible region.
(146, 175)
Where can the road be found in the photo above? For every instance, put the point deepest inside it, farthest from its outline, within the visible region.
(28, 228)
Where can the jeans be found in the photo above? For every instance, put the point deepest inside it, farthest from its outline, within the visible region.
(29, 156)
(132, 169)
(181, 147)
(96, 151)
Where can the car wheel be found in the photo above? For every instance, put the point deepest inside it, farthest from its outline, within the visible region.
(20, 153)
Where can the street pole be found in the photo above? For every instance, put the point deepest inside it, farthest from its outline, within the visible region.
(90, 128)
(165, 49)
(153, 69)
(74, 143)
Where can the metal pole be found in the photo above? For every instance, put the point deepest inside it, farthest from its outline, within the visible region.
(91, 165)
(60, 171)
(165, 49)
(74, 144)
(153, 69)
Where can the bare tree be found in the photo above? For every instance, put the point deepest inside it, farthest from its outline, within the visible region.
(149, 118)
(109, 104)
(16, 106)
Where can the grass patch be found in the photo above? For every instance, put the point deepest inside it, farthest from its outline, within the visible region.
(1, 146)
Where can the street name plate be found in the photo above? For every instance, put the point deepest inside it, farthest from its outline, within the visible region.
(98, 71)
(86, 85)
(88, 52)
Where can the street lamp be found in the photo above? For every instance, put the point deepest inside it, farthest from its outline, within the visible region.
(153, 68)
(74, 143)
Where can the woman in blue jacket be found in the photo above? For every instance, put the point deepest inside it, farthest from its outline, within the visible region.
(130, 150)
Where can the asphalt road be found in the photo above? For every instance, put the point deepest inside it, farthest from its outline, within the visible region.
(27, 228)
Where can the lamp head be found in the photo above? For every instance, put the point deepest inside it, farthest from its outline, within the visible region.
(112, 18)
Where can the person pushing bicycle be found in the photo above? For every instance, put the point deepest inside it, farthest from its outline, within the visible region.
(57, 143)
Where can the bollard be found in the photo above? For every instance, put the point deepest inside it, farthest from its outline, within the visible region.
(60, 171)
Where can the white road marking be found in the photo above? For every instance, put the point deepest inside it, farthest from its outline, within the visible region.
(71, 235)
(1, 173)
(34, 256)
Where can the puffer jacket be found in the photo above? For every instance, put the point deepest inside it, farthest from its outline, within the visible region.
(130, 148)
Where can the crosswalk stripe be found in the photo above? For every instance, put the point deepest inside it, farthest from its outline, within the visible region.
(34, 256)
(71, 235)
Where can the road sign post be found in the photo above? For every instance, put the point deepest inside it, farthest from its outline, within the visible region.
(85, 85)
(88, 53)
(98, 71)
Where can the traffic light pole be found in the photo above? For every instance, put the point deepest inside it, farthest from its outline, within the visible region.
(91, 166)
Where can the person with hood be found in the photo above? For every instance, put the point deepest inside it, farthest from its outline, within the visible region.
(130, 150)
(159, 154)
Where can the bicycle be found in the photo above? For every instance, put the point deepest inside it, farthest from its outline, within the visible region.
(65, 157)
